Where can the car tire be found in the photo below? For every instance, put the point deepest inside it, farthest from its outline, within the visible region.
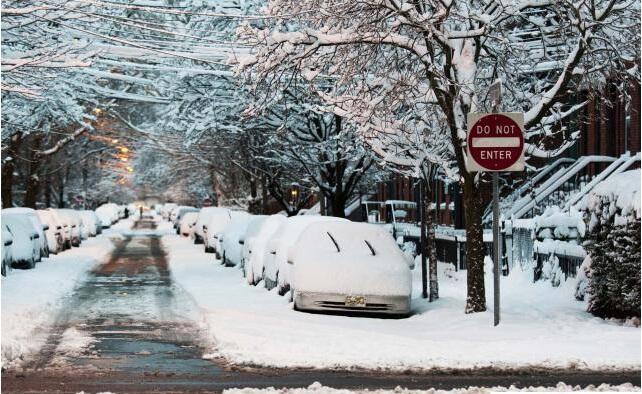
(31, 264)
(4, 268)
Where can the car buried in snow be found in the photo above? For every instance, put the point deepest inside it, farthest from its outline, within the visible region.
(37, 224)
(25, 249)
(187, 224)
(54, 232)
(217, 221)
(72, 217)
(233, 239)
(7, 249)
(178, 214)
(349, 267)
(218, 246)
(277, 270)
(254, 248)
(203, 220)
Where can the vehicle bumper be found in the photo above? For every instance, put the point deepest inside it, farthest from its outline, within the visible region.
(375, 304)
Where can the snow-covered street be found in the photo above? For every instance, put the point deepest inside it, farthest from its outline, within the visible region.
(138, 319)
(32, 298)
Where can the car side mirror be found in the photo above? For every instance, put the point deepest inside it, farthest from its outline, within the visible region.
(45, 227)
(35, 236)
(241, 242)
(290, 262)
(8, 242)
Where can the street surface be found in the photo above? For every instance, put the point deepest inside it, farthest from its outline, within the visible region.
(127, 328)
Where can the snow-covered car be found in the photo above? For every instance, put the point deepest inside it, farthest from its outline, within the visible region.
(218, 221)
(254, 247)
(277, 270)
(91, 224)
(37, 224)
(166, 209)
(54, 232)
(178, 214)
(7, 249)
(108, 214)
(66, 223)
(187, 224)
(349, 267)
(73, 218)
(121, 211)
(231, 244)
(25, 249)
(219, 237)
(204, 217)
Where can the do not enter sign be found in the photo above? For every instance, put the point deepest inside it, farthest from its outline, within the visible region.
(495, 142)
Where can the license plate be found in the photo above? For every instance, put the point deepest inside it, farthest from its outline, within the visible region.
(356, 301)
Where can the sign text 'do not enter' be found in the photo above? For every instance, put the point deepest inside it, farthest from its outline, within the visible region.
(495, 142)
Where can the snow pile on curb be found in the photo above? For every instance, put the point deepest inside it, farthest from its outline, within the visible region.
(318, 388)
(31, 298)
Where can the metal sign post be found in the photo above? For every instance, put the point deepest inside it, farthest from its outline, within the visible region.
(495, 143)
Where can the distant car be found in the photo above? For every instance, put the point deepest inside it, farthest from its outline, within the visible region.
(277, 270)
(218, 221)
(54, 232)
(73, 218)
(166, 209)
(254, 247)
(7, 249)
(232, 243)
(25, 249)
(178, 213)
(234, 216)
(38, 225)
(349, 267)
(91, 224)
(66, 224)
(187, 224)
(204, 217)
(108, 214)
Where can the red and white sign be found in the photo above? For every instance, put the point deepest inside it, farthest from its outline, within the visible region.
(495, 142)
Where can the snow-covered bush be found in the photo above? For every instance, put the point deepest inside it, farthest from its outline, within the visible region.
(613, 244)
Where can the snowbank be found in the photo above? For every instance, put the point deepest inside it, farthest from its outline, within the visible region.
(31, 298)
(541, 326)
(318, 388)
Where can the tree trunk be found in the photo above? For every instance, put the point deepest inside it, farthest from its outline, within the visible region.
(475, 253)
(431, 248)
(264, 195)
(48, 191)
(337, 205)
(8, 168)
(62, 179)
(33, 180)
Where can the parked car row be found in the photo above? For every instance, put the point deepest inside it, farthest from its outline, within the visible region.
(323, 263)
(29, 235)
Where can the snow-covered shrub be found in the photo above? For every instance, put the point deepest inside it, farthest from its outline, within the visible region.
(551, 271)
(582, 279)
(613, 242)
